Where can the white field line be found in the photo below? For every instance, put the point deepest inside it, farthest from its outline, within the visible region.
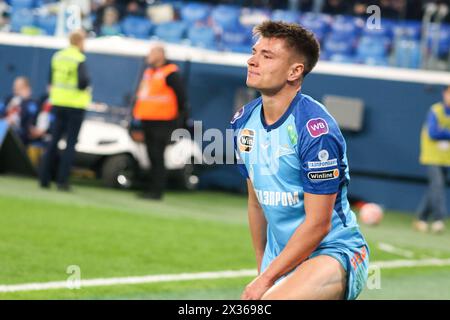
(194, 276)
(128, 280)
(386, 247)
(394, 264)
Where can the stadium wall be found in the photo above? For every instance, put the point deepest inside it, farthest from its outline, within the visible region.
(383, 156)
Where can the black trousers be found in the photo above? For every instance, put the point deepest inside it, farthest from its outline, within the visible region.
(67, 122)
(157, 136)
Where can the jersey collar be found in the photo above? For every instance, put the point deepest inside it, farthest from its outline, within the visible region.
(285, 115)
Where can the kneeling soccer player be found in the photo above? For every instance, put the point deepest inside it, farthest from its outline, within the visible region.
(290, 149)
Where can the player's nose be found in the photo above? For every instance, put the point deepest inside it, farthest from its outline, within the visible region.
(252, 61)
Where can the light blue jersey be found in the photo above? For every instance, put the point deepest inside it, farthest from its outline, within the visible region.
(304, 151)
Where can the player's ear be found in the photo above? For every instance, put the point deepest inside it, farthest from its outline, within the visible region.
(296, 71)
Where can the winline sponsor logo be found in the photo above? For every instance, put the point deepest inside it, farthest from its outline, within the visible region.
(323, 175)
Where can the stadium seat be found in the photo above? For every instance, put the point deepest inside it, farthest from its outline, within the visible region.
(47, 23)
(375, 61)
(407, 53)
(20, 19)
(136, 27)
(204, 37)
(335, 44)
(345, 27)
(41, 3)
(285, 16)
(236, 40)
(226, 17)
(22, 4)
(372, 47)
(443, 34)
(342, 58)
(319, 24)
(252, 17)
(192, 13)
(407, 30)
(171, 31)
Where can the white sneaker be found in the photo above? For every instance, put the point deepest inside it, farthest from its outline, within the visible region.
(420, 226)
(438, 226)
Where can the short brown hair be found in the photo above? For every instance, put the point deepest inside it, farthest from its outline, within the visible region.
(297, 38)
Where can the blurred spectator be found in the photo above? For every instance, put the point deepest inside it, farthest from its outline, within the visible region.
(20, 109)
(99, 10)
(392, 9)
(306, 5)
(134, 8)
(335, 7)
(110, 25)
(4, 16)
(360, 7)
(40, 130)
(414, 10)
(435, 153)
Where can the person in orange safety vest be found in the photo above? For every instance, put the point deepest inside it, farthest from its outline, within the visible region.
(160, 103)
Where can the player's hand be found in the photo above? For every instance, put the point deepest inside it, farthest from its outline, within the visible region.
(256, 289)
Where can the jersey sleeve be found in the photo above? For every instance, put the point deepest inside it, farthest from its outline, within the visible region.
(321, 162)
(234, 125)
(240, 166)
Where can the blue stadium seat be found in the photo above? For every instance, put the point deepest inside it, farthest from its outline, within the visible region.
(237, 40)
(286, 16)
(47, 23)
(342, 58)
(319, 24)
(372, 47)
(407, 30)
(171, 31)
(345, 27)
(407, 53)
(21, 18)
(22, 4)
(203, 37)
(376, 61)
(335, 44)
(443, 34)
(136, 27)
(41, 3)
(195, 12)
(226, 17)
(252, 17)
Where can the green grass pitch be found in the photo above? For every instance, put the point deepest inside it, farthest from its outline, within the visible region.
(112, 233)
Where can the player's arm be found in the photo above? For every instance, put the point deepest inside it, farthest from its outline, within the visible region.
(307, 237)
(435, 131)
(257, 223)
